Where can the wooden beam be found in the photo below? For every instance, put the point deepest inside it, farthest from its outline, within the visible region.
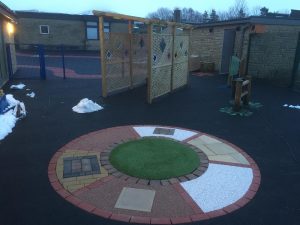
(130, 53)
(119, 16)
(102, 59)
(149, 63)
(158, 22)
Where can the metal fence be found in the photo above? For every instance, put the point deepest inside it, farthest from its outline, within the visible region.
(33, 61)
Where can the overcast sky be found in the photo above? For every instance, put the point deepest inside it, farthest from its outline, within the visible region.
(141, 7)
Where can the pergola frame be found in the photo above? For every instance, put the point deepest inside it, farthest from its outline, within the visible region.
(131, 19)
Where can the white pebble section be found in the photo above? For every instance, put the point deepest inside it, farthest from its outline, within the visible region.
(219, 186)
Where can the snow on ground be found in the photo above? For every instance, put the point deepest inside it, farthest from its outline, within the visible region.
(31, 95)
(86, 106)
(292, 106)
(17, 86)
(219, 186)
(179, 134)
(8, 120)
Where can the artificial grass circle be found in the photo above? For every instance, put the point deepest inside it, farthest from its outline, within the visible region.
(154, 158)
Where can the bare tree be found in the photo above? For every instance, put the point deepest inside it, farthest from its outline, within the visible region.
(162, 14)
(238, 10)
(255, 11)
(187, 15)
(190, 15)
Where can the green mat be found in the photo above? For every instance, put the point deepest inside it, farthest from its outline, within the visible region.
(246, 110)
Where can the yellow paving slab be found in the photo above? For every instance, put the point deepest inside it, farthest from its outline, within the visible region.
(208, 140)
(221, 149)
(240, 158)
(223, 158)
(199, 144)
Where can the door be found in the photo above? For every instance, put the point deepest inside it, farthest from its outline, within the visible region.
(227, 51)
(3, 71)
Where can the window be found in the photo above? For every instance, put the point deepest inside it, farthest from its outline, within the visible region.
(92, 31)
(44, 29)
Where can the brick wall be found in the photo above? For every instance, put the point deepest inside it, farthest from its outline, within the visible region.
(272, 54)
(67, 32)
(208, 45)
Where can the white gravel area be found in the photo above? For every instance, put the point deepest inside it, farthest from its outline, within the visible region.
(219, 186)
(179, 134)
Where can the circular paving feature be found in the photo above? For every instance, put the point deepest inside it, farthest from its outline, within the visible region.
(154, 158)
(225, 180)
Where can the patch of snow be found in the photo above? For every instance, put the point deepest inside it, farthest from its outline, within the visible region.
(31, 95)
(179, 134)
(8, 120)
(11, 100)
(86, 106)
(292, 106)
(219, 186)
(17, 86)
(27, 89)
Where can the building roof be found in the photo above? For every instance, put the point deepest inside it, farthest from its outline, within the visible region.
(57, 16)
(288, 21)
(7, 12)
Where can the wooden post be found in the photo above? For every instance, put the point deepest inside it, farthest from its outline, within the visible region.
(102, 60)
(130, 53)
(149, 61)
(238, 94)
(189, 53)
(173, 56)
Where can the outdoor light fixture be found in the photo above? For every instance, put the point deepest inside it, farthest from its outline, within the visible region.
(10, 28)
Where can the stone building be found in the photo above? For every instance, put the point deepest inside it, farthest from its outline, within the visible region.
(7, 23)
(269, 45)
(78, 32)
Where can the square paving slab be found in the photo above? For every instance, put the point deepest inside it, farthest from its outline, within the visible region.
(80, 166)
(136, 199)
(164, 131)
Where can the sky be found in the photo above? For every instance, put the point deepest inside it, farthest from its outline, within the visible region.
(141, 7)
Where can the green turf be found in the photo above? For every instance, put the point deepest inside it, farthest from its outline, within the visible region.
(154, 158)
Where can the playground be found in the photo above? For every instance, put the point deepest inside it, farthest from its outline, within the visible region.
(270, 139)
(164, 145)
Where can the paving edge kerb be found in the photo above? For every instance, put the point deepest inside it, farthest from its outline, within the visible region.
(198, 215)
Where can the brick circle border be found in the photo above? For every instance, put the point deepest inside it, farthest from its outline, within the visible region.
(203, 165)
(199, 215)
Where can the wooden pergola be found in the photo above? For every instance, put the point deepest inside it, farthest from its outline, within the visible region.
(150, 24)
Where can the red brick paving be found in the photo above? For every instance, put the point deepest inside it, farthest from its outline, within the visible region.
(171, 205)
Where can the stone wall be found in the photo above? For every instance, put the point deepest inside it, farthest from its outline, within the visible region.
(272, 54)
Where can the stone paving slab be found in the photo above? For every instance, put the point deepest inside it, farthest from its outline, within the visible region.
(136, 199)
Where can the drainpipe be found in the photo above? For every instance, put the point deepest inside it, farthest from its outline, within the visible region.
(243, 39)
(242, 46)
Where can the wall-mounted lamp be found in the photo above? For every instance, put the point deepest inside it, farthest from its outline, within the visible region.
(10, 28)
